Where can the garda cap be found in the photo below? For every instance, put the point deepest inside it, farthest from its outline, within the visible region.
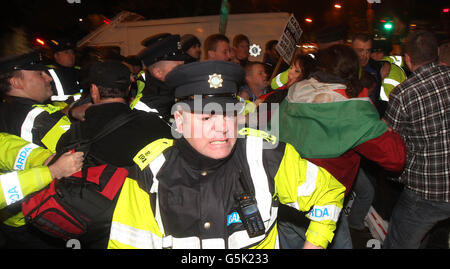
(200, 85)
(28, 61)
(163, 47)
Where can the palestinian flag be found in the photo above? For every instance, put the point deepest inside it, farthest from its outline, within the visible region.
(321, 122)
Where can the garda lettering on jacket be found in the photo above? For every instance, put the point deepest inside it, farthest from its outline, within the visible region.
(10, 184)
(319, 213)
(328, 212)
(14, 195)
(233, 218)
(23, 155)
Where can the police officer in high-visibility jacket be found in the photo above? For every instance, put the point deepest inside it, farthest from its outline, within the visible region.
(393, 77)
(210, 189)
(23, 167)
(24, 90)
(65, 73)
(162, 54)
(24, 170)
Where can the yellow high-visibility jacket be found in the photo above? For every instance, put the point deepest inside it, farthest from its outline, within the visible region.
(177, 199)
(22, 171)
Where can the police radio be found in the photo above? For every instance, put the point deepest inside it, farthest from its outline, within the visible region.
(248, 211)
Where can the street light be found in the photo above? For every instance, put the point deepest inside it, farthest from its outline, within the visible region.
(40, 41)
(308, 20)
(338, 6)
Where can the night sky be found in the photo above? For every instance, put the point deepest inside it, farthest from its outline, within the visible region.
(54, 18)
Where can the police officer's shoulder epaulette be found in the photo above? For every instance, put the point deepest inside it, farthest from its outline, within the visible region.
(140, 86)
(141, 73)
(60, 104)
(258, 133)
(249, 106)
(50, 108)
(146, 155)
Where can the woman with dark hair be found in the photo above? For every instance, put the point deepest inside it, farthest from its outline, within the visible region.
(331, 121)
(339, 64)
(302, 68)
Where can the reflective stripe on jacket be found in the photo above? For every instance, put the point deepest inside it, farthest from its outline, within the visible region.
(280, 80)
(18, 184)
(394, 78)
(51, 137)
(18, 154)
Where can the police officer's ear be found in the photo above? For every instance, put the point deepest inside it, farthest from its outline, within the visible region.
(16, 82)
(156, 70)
(95, 94)
(178, 116)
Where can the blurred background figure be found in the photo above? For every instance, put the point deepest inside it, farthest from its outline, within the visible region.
(191, 45)
(241, 47)
(256, 81)
(271, 57)
(217, 47)
(444, 53)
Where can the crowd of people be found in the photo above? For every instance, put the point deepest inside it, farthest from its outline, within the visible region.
(156, 150)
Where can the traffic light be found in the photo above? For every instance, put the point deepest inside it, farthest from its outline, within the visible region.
(388, 26)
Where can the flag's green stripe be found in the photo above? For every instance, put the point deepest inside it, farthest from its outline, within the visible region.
(327, 130)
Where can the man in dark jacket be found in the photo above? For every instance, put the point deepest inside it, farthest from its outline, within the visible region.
(110, 83)
(362, 44)
(127, 132)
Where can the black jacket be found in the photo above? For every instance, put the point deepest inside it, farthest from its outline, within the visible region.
(116, 149)
(120, 146)
(70, 79)
(194, 189)
(159, 96)
(15, 110)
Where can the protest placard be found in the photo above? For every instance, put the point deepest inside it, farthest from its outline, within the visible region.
(289, 39)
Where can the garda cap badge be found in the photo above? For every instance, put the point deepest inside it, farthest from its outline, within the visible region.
(215, 81)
